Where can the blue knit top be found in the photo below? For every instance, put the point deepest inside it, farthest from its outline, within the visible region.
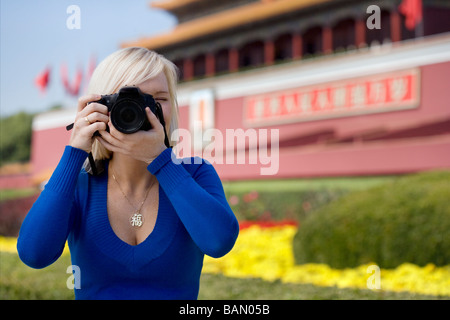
(193, 219)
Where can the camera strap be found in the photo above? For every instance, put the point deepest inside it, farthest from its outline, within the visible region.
(92, 164)
(160, 116)
(93, 168)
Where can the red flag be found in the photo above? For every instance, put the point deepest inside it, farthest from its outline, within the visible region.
(77, 82)
(412, 10)
(90, 70)
(43, 79)
(71, 88)
(92, 65)
(65, 77)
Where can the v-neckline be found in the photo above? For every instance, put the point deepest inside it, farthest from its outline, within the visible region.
(99, 227)
(107, 212)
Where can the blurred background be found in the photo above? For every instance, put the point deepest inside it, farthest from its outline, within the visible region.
(359, 91)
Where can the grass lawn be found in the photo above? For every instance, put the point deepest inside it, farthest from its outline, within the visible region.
(17, 281)
(8, 194)
(348, 183)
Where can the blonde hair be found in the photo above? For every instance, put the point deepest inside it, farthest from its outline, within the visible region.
(128, 67)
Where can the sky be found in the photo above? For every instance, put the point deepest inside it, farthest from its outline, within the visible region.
(34, 35)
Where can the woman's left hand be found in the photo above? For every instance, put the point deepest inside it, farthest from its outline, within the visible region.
(142, 145)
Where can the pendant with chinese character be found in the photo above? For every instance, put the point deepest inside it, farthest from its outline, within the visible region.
(136, 220)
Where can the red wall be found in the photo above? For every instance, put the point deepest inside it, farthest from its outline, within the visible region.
(47, 147)
(327, 158)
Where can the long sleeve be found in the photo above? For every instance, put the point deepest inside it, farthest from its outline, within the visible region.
(199, 200)
(45, 229)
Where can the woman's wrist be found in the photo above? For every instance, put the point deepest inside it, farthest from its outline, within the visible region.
(168, 171)
(157, 163)
(156, 154)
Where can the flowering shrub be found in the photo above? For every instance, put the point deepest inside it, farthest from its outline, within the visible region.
(12, 213)
(8, 244)
(266, 252)
(258, 252)
(280, 204)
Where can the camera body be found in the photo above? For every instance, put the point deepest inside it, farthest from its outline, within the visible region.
(127, 109)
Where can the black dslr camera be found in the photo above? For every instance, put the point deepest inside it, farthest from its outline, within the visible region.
(127, 109)
(127, 114)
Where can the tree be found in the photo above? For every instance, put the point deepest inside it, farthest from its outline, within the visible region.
(15, 138)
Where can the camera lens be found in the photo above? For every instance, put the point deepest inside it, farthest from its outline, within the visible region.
(127, 116)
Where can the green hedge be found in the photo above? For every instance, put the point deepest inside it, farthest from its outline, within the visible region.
(15, 138)
(406, 220)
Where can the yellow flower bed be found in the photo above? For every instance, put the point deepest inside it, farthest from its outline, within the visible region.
(267, 253)
(9, 244)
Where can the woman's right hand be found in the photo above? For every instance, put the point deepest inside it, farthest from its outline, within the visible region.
(90, 118)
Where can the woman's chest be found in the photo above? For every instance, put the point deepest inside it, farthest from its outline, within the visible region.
(131, 220)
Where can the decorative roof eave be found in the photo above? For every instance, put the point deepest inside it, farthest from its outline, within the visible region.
(222, 21)
(170, 5)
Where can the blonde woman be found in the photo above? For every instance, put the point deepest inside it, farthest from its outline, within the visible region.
(140, 227)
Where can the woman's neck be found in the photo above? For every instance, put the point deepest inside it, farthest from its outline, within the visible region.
(131, 173)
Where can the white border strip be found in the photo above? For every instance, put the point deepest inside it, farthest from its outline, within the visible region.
(54, 119)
